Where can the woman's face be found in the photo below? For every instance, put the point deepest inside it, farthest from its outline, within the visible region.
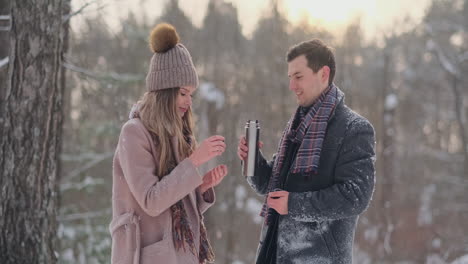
(184, 99)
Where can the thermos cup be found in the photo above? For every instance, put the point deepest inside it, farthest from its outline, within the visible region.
(252, 134)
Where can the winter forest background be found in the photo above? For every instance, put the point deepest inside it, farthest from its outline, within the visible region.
(410, 81)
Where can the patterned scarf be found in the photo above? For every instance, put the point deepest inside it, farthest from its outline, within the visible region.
(183, 235)
(308, 129)
(181, 232)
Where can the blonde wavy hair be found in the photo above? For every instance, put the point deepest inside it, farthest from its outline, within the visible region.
(158, 113)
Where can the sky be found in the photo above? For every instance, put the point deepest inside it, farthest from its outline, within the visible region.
(376, 16)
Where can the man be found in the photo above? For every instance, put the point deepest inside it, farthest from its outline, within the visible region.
(322, 176)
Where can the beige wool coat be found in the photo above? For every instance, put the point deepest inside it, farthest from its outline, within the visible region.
(141, 226)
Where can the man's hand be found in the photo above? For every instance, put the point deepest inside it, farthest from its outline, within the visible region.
(279, 201)
(242, 148)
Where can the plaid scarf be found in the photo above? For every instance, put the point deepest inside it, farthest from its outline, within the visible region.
(181, 232)
(308, 129)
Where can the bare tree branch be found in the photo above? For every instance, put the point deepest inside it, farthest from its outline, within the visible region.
(448, 66)
(112, 76)
(67, 17)
(5, 18)
(87, 182)
(454, 71)
(463, 57)
(87, 166)
(4, 62)
(73, 157)
(86, 215)
(80, 10)
(445, 62)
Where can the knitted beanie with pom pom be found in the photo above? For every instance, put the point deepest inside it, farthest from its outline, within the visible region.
(171, 65)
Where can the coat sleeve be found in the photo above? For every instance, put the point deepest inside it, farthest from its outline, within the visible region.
(205, 200)
(259, 182)
(354, 180)
(153, 195)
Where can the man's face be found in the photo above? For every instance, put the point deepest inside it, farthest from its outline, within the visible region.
(306, 85)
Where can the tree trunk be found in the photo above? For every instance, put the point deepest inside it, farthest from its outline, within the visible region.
(30, 132)
(459, 108)
(4, 22)
(382, 207)
(389, 174)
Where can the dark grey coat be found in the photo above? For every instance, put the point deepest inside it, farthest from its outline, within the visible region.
(323, 209)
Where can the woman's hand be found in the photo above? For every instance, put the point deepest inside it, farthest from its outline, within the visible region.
(208, 149)
(213, 177)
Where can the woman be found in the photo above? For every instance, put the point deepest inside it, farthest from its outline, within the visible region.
(158, 195)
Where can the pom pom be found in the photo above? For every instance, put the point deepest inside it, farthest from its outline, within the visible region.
(163, 37)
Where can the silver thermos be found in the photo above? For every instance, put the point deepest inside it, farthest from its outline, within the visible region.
(252, 134)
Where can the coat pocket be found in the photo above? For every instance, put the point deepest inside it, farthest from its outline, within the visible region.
(123, 244)
(328, 237)
(125, 235)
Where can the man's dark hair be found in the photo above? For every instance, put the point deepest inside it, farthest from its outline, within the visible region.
(317, 54)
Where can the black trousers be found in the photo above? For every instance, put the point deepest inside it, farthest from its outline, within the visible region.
(268, 250)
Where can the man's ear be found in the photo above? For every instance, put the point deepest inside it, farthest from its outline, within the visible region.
(325, 74)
